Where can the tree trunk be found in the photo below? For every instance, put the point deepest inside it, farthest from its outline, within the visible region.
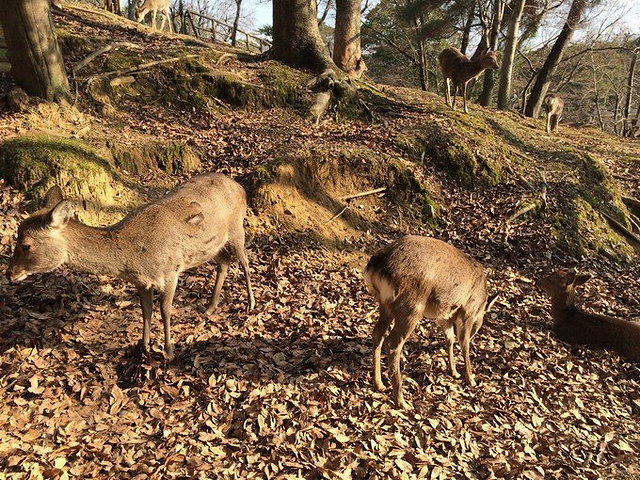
(629, 95)
(489, 76)
(466, 32)
(543, 80)
(33, 49)
(296, 37)
(113, 6)
(236, 21)
(346, 38)
(508, 58)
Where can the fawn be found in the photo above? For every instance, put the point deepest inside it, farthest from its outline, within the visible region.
(199, 221)
(576, 327)
(459, 70)
(419, 277)
(154, 6)
(553, 105)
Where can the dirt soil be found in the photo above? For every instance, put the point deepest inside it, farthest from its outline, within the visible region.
(285, 391)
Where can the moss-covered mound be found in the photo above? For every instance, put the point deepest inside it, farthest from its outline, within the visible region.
(145, 156)
(306, 189)
(34, 163)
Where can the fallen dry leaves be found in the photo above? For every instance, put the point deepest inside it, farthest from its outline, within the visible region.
(285, 391)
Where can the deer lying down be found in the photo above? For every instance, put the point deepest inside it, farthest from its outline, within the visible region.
(419, 277)
(459, 70)
(199, 221)
(576, 327)
(553, 106)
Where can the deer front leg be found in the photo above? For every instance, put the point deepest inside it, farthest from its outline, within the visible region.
(146, 302)
(464, 97)
(166, 306)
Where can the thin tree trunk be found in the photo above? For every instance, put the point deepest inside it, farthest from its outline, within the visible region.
(113, 6)
(296, 37)
(629, 95)
(236, 20)
(508, 58)
(464, 43)
(346, 38)
(36, 61)
(489, 76)
(543, 80)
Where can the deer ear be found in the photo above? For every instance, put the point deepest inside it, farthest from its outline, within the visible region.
(582, 279)
(569, 278)
(53, 197)
(59, 216)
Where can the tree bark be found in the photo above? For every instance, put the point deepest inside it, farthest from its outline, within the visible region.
(543, 80)
(508, 58)
(489, 76)
(36, 61)
(296, 37)
(466, 32)
(346, 38)
(236, 21)
(113, 6)
(626, 112)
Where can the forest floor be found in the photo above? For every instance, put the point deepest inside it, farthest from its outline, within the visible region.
(285, 391)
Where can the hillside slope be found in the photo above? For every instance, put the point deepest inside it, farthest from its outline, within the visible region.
(285, 391)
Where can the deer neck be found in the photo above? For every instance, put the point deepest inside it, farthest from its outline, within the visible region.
(474, 68)
(561, 305)
(94, 250)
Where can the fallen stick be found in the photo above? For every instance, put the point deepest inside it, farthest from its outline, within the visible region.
(364, 194)
(92, 56)
(337, 215)
(634, 202)
(138, 68)
(621, 228)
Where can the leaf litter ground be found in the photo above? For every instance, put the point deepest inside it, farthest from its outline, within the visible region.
(285, 391)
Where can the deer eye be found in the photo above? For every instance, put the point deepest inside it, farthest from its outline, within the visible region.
(25, 248)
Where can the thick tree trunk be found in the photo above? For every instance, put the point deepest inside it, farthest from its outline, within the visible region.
(346, 38)
(466, 32)
(296, 37)
(113, 6)
(508, 58)
(489, 76)
(36, 61)
(543, 80)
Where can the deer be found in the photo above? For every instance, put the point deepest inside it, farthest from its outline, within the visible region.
(577, 327)
(154, 6)
(199, 221)
(458, 69)
(553, 105)
(419, 277)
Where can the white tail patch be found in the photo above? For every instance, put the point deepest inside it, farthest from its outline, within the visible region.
(379, 286)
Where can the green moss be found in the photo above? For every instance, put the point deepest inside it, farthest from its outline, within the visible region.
(170, 157)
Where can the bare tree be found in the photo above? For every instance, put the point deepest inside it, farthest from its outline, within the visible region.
(508, 58)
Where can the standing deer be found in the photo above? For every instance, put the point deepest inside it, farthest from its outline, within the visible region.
(553, 105)
(459, 70)
(154, 6)
(576, 327)
(199, 221)
(420, 277)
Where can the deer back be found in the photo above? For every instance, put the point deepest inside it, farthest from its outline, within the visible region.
(428, 271)
(553, 104)
(459, 68)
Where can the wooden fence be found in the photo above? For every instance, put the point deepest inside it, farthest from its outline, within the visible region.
(209, 28)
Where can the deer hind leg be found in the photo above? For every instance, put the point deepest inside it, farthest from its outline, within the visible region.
(548, 123)
(166, 306)
(448, 327)
(405, 323)
(222, 260)
(447, 91)
(167, 13)
(464, 96)
(146, 302)
(379, 332)
(555, 119)
(237, 247)
(465, 327)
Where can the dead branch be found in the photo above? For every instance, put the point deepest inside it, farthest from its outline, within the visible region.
(621, 228)
(337, 214)
(630, 201)
(364, 194)
(92, 56)
(138, 68)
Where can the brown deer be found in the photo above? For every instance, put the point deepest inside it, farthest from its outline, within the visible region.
(154, 6)
(553, 105)
(420, 277)
(459, 70)
(576, 327)
(199, 221)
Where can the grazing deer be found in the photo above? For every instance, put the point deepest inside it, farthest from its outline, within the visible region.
(419, 277)
(154, 6)
(576, 327)
(553, 105)
(199, 221)
(459, 70)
